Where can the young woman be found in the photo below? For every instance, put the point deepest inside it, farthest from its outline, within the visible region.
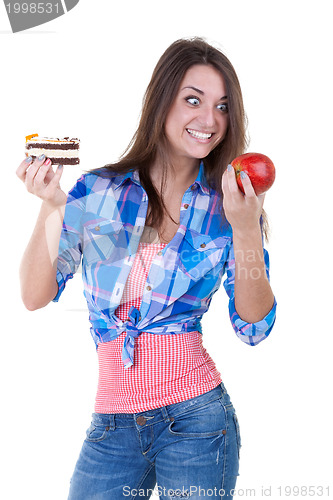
(155, 239)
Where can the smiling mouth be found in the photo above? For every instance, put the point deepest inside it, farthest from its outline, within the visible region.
(198, 135)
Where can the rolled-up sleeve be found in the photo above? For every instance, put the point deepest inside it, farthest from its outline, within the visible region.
(250, 333)
(70, 244)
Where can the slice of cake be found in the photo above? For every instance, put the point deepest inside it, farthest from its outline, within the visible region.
(63, 151)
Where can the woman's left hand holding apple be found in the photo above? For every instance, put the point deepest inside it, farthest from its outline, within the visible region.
(242, 211)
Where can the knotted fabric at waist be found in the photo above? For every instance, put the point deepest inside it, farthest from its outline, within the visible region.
(104, 330)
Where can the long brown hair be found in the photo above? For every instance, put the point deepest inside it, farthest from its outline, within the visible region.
(149, 141)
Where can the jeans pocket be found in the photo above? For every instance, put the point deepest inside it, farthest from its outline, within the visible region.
(97, 431)
(206, 421)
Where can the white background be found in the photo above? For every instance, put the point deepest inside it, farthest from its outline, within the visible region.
(84, 75)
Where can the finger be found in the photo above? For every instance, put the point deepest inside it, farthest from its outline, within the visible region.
(49, 174)
(43, 172)
(22, 168)
(33, 170)
(39, 180)
(227, 193)
(232, 181)
(36, 174)
(54, 182)
(225, 187)
(247, 185)
(48, 191)
(261, 198)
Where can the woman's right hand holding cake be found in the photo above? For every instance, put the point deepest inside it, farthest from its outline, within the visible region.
(40, 180)
(38, 268)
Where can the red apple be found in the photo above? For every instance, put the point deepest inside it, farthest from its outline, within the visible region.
(258, 167)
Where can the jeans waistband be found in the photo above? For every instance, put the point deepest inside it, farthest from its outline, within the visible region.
(165, 413)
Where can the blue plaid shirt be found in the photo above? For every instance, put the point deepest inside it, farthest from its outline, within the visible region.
(103, 223)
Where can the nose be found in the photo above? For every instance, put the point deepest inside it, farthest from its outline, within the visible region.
(207, 117)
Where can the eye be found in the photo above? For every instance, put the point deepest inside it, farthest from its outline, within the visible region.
(193, 100)
(223, 107)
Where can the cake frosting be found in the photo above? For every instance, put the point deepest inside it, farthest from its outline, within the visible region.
(61, 151)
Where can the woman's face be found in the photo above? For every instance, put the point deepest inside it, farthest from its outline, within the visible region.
(198, 118)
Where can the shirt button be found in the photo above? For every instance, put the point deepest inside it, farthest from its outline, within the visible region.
(140, 317)
(203, 245)
(186, 205)
(141, 420)
(193, 187)
(224, 431)
(148, 287)
(159, 252)
(97, 228)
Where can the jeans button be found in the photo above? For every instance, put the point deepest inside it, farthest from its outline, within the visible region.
(141, 420)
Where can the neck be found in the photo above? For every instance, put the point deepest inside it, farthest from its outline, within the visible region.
(182, 173)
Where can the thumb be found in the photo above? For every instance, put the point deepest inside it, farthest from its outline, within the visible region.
(261, 198)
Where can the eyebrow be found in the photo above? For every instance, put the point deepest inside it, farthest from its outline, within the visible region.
(201, 91)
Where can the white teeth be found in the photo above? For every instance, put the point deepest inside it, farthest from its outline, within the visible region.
(199, 135)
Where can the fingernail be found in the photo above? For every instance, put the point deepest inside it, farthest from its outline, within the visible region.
(47, 162)
(41, 157)
(243, 174)
(28, 160)
(60, 166)
(229, 168)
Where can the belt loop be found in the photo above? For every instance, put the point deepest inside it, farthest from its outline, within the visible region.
(223, 389)
(165, 414)
(112, 423)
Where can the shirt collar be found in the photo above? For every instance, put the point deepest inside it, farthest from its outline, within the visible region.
(133, 175)
(201, 180)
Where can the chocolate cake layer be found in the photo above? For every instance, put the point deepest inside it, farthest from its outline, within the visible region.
(61, 161)
(64, 146)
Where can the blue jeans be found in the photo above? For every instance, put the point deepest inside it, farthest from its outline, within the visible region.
(183, 450)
